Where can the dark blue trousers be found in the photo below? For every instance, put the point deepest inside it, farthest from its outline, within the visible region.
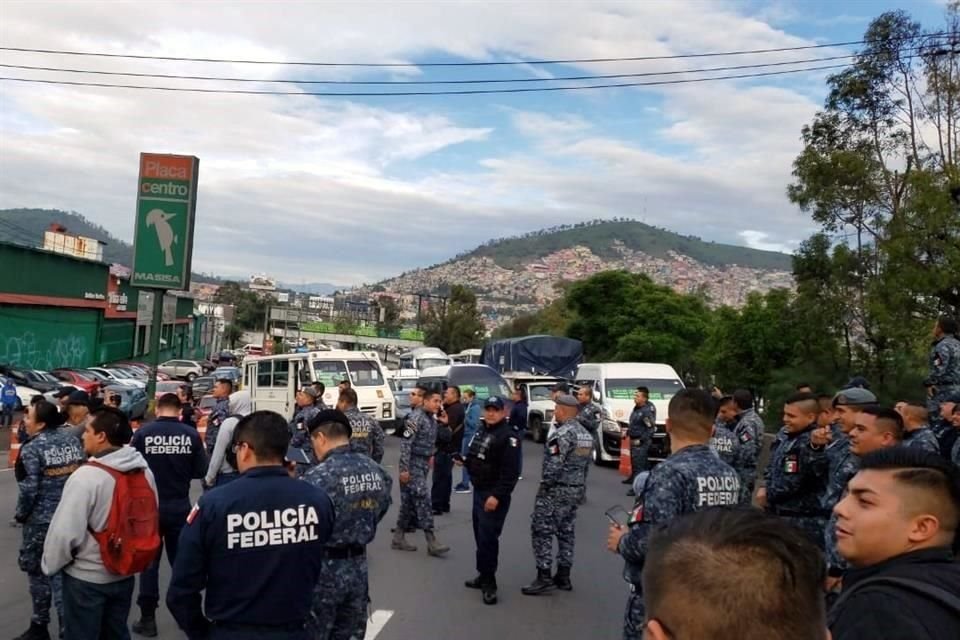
(171, 524)
(487, 528)
(442, 481)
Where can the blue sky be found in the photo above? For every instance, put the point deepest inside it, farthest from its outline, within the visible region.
(349, 190)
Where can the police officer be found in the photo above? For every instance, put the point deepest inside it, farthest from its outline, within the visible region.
(690, 479)
(589, 417)
(306, 411)
(916, 433)
(492, 461)
(320, 388)
(254, 545)
(419, 439)
(367, 435)
(175, 454)
(749, 431)
(643, 421)
(796, 475)
(45, 463)
(360, 491)
(555, 509)
(725, 445)
(944, 378)
(221, 411)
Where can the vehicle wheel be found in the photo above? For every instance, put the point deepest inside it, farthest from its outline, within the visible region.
(191, 377)
(536, 429)
(596, 456)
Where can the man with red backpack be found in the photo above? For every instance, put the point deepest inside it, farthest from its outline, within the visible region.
(105, 530)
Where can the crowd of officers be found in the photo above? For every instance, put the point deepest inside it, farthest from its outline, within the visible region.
(276, 545)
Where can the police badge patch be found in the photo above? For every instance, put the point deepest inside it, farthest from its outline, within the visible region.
(791, 464)
(745, 437)
(513, 442)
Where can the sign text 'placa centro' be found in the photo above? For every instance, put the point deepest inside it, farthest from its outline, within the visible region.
(166, 208)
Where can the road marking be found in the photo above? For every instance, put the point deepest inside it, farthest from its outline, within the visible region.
(377, 622)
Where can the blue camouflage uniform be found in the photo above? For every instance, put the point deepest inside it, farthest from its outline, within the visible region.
(367, 435)
(725, 445)
(842, 468)
(589, 417)
(944, 376)
(416, 447)
(256, 547)
(643, 422)
(45, 463)
(689, 480)
(923, 438)
(220, 412)
(300, 434)
(176, 456)
(796, 479)
(360, 491)
(565, 464)
(749, 431)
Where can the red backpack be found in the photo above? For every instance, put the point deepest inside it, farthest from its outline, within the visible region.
(131, 538)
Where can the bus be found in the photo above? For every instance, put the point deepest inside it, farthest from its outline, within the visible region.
(273, 381)
(423, 358)
(467, 356)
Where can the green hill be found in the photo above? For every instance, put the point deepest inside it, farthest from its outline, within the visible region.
(26, 227)
(599, 236)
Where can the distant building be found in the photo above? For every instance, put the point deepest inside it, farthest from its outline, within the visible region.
(57, 240)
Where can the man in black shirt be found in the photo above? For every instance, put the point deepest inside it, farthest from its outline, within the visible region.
(449, 440)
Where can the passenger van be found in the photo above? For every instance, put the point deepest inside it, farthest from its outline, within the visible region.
(273, 381)
(614, 384)
(423, 358)
(483, 380)
(467, 356)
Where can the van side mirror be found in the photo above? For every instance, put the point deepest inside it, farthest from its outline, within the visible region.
(596, 396)
(304, 377)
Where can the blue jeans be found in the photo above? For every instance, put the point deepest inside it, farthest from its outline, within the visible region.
(171, 523)
(96, 611)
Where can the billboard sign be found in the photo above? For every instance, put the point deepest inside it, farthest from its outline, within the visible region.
(166, 207)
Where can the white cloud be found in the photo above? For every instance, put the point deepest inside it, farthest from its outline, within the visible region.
(307, 188)
(761, 240)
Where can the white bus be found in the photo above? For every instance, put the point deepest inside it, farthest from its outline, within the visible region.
(273, 381)
(467, 356)
(423, 358)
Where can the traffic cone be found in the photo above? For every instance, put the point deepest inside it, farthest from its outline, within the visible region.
(625, 467)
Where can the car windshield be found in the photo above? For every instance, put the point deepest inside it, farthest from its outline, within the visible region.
(329, 372)
(483, 381)
(96, 375)
(123, 375)
(426, 363)
(539, 392)
(364, 373)
(624, 388)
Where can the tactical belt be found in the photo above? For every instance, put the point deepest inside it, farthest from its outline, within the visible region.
(348, 551)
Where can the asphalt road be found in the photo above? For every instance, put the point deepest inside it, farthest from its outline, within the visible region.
(417, 596)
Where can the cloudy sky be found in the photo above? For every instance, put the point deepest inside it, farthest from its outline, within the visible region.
(353, 189)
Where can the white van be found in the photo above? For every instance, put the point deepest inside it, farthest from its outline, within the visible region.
(273, 381)
(614, 384)
(423, 358)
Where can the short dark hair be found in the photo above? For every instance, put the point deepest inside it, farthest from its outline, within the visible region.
(947, 324)
(924, 472)
(349, 396)
(731, 561)
(808, 402)
(345, 381)
(112, 422)
(692, 412)
(743, 398)
(187, 390)
(47, 413)
(429, 393)
(37, 399)
(887, 419)
(644, 390)
(322, 386)
(226, 381)
(456, 390)
(169, 401)
(331, 423)
(266, 432)
(421, 387)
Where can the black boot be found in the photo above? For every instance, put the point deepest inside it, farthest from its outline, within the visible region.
(475, 583)
(562, 579)
(627, 480)
(542, 584)
(35, 632)
(146, 626)
(489, 589)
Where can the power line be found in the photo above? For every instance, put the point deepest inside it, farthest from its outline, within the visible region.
(458, 92)
(741, 52)
(427, 82)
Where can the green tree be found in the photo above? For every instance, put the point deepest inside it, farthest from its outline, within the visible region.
(455, 325)
(389, 316)
(248, 308)
(232, 335)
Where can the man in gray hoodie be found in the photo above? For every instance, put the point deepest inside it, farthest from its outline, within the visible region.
(96, 602)
(220, 471)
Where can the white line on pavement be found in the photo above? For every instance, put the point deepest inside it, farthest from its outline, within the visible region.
(377, 622)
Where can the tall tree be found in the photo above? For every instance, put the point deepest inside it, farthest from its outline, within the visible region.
(456, 324)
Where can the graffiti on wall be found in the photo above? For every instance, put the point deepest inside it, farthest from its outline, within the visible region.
(26, 351)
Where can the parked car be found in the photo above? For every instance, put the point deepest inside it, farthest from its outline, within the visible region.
(207, 366)
(182, 369)
(203, 410)
(24, 393)
(119, 377)
(233, 374)
(225, 359)
(30, 378)
(483, 380)
(166, 386)
(75, 378)
(202, 386)
(133, 401)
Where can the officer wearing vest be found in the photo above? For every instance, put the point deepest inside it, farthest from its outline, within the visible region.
(944, 378)
(360, 491)
(367, 435)
(175, 454)
(492, 462)
(643, 422)
(690, 479)
(725, 445)
(255, 546)
(306, 410)
(568, 454)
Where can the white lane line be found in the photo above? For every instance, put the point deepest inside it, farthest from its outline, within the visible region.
(377, 622)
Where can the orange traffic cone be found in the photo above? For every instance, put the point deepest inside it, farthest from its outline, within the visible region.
(625, 466)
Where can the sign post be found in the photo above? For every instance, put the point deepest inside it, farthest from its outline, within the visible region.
(163, 235)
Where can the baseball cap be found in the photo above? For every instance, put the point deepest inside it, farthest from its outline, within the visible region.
(79, 397)
(493, 402)
(854, 397)
(63, 392)
(567, 400)
(329, 415)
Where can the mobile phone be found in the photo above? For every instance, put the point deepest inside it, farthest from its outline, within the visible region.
(618, 516)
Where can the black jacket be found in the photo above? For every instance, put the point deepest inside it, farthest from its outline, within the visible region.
(890, 612)
(492, 459)
(455, 426)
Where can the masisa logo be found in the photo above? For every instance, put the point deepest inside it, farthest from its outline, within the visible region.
(159, 220)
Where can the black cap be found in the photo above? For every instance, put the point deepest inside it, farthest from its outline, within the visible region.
(329, 415)
(63, 392)
(493, 402)
(79, 397)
